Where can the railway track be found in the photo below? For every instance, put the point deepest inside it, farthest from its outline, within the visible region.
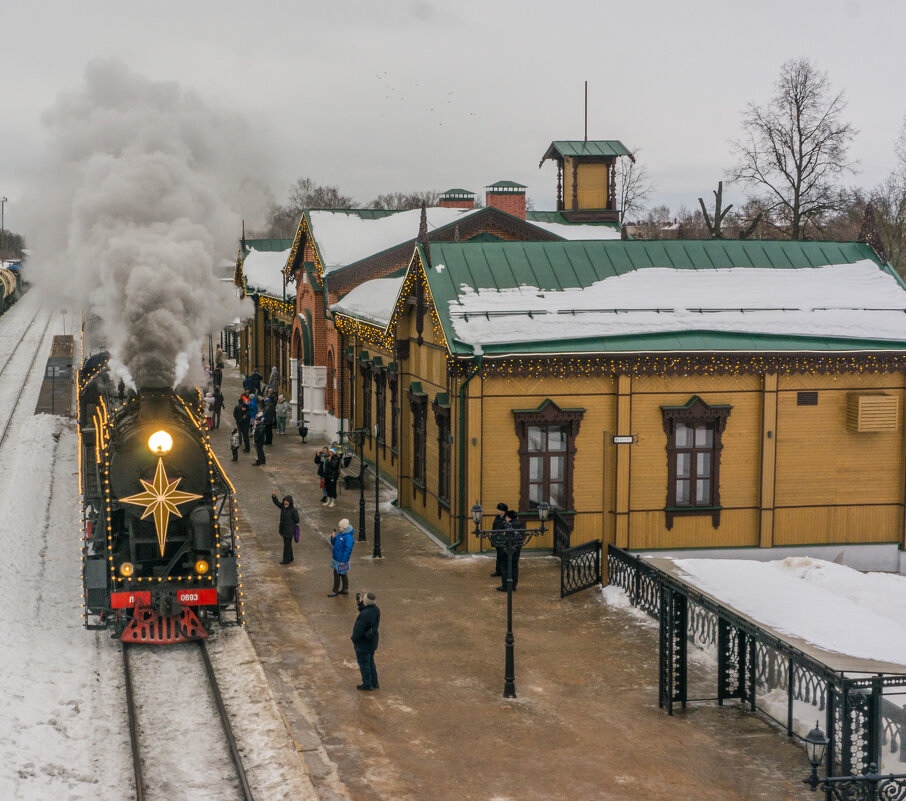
(22, 378)
(170, 772)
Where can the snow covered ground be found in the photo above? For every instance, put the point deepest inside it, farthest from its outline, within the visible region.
(63, 731)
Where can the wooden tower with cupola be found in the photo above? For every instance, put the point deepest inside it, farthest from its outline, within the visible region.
(586, 178)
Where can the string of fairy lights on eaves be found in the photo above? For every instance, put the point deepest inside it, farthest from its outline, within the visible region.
(276, 306)
(513, 367)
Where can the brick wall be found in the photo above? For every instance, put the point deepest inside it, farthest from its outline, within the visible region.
(456, 204)
(510, 202)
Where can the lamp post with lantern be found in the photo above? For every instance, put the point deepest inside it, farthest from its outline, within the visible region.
(509, 539)
(377, 494)
(357, 437)
(867, 786)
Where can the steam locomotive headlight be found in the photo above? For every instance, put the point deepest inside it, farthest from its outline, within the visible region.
(160, 442)
(202, 567)
(127, 569)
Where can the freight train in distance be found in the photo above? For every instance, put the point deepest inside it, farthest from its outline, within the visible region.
(159, 548)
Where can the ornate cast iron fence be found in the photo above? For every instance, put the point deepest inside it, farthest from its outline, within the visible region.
(562, 532)
(753, 665)
(580, 567)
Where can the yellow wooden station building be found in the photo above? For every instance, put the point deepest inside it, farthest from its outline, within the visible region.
(659, 395)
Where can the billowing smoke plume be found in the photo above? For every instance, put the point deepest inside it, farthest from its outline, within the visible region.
(139, 212)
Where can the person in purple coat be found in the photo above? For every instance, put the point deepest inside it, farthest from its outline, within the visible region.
(342, 542)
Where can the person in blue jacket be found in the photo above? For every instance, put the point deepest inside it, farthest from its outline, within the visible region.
(342, 541)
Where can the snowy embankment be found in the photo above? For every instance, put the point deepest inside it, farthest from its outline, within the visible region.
(831, 606)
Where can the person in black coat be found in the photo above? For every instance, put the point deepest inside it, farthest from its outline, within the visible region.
(498, 525)
(289, 519)
(365, 639)
(259, 440)
(243, 421)
(512, 522)
(270, 420)
(331, 476)
(218, 405)
(322, 457)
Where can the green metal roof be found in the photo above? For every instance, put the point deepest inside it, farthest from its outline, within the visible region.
(579, 264)
(458, 193)
(507, 186)
(580, 148)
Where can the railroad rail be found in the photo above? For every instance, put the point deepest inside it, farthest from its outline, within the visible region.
(140, 783)
(22, 383)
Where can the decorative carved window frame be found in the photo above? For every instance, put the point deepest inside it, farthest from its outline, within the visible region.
(418, 404)
(547, 414)
(441, 407)
(695, 410)
(365, 370)
(393, 383)
(379, 373)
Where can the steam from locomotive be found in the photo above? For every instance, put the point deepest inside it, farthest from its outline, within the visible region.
(141, 181)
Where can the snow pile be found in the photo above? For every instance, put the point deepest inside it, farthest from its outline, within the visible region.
(135, 214)
(578, 231)
(345, 237)
(372, 301)
(263, 270)
(831, 606)
(850, 301)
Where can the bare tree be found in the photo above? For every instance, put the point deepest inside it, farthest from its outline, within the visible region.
(633, 186)
(283, 220)
(794, 147)
(401, 201)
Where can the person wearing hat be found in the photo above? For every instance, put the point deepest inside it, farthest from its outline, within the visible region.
(512, 522)
(282, 413)
(365, 639)
(260, 436)
(331, 476)
(342, 542)
(498, 525)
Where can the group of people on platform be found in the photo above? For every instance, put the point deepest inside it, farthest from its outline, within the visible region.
(257, 413)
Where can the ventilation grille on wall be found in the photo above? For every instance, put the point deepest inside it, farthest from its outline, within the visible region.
(872, 411)
(806, 398)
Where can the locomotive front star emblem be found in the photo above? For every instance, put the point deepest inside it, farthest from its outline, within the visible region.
(160, 499)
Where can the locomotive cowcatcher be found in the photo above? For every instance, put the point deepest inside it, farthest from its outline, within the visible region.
(160, 559)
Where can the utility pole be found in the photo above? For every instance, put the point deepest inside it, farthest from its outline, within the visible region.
(2, 228)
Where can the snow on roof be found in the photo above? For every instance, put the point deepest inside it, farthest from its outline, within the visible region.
(263, 271)
(831, 606)
(344, 238)
(372, 301)
(849, 301)
(578, 231)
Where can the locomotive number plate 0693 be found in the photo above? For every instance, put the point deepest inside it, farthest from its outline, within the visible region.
(196, 597)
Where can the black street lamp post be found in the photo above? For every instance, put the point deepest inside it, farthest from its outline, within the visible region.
(377, 495)
(510, 539)
(357, 437)
(867, 786)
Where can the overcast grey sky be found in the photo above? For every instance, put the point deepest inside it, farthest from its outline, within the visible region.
(387, 95)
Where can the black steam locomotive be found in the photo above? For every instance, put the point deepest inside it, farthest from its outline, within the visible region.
(160, 558)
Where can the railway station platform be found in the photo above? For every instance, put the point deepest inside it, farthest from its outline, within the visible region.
(585, 725)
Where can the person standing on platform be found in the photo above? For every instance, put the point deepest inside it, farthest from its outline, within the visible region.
(342, 542)
(498, 525)
(282, 413)
(365, 639)
(273, 383)
(289, 519)
(259, 437)
(512, 522)
(218, 405)
(243, 422)
(331, 476)
(270, 420)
